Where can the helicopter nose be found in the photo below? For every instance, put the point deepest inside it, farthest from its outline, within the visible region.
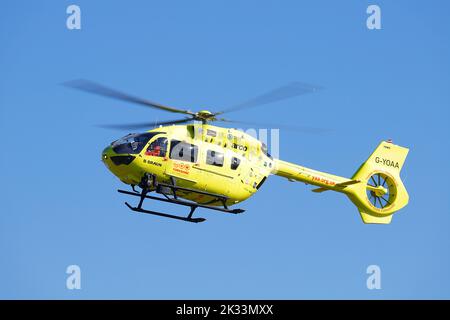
(109, 158)
(107, 154)
(123, 166)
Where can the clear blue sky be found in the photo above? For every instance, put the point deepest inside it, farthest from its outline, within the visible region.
(59, 204)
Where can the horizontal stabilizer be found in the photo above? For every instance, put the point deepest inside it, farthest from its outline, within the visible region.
(339, 185)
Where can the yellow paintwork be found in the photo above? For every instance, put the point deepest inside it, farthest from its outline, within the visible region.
(238, 185)
(387, 159)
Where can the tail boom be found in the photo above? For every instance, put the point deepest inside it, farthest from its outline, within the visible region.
(376, 188)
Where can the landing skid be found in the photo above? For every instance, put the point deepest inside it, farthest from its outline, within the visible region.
(173, 198)
(166, 215)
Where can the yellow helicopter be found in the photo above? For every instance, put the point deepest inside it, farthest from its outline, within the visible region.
(199, 165)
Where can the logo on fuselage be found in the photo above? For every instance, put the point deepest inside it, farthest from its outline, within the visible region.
(387, 162)
(239, 147)
(153, 163)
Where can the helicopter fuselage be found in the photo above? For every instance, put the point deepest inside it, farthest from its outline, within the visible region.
(200, 157)
(217, 167)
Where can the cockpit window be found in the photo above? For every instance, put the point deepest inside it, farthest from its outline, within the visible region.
(132, 143)
(157, 148)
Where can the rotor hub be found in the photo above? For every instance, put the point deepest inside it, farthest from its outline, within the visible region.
(204, 115)
(377, 191)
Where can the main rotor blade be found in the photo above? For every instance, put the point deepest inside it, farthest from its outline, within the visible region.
(288, 91)
(143, 125)
(303, 129)
(95, 88)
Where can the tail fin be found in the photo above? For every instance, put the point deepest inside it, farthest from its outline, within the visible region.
(381, 191)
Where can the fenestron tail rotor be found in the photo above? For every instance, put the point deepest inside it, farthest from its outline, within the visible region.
(380, 190)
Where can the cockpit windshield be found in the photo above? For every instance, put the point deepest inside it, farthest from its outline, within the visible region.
(132, 143)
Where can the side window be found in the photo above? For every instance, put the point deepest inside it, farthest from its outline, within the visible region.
(183, 151)
(157, 148)
(214, 158)
(235, 163)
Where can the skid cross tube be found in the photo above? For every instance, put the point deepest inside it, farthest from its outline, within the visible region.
(143, 195)
(183, 203)
(159, 188)
(193, 206)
